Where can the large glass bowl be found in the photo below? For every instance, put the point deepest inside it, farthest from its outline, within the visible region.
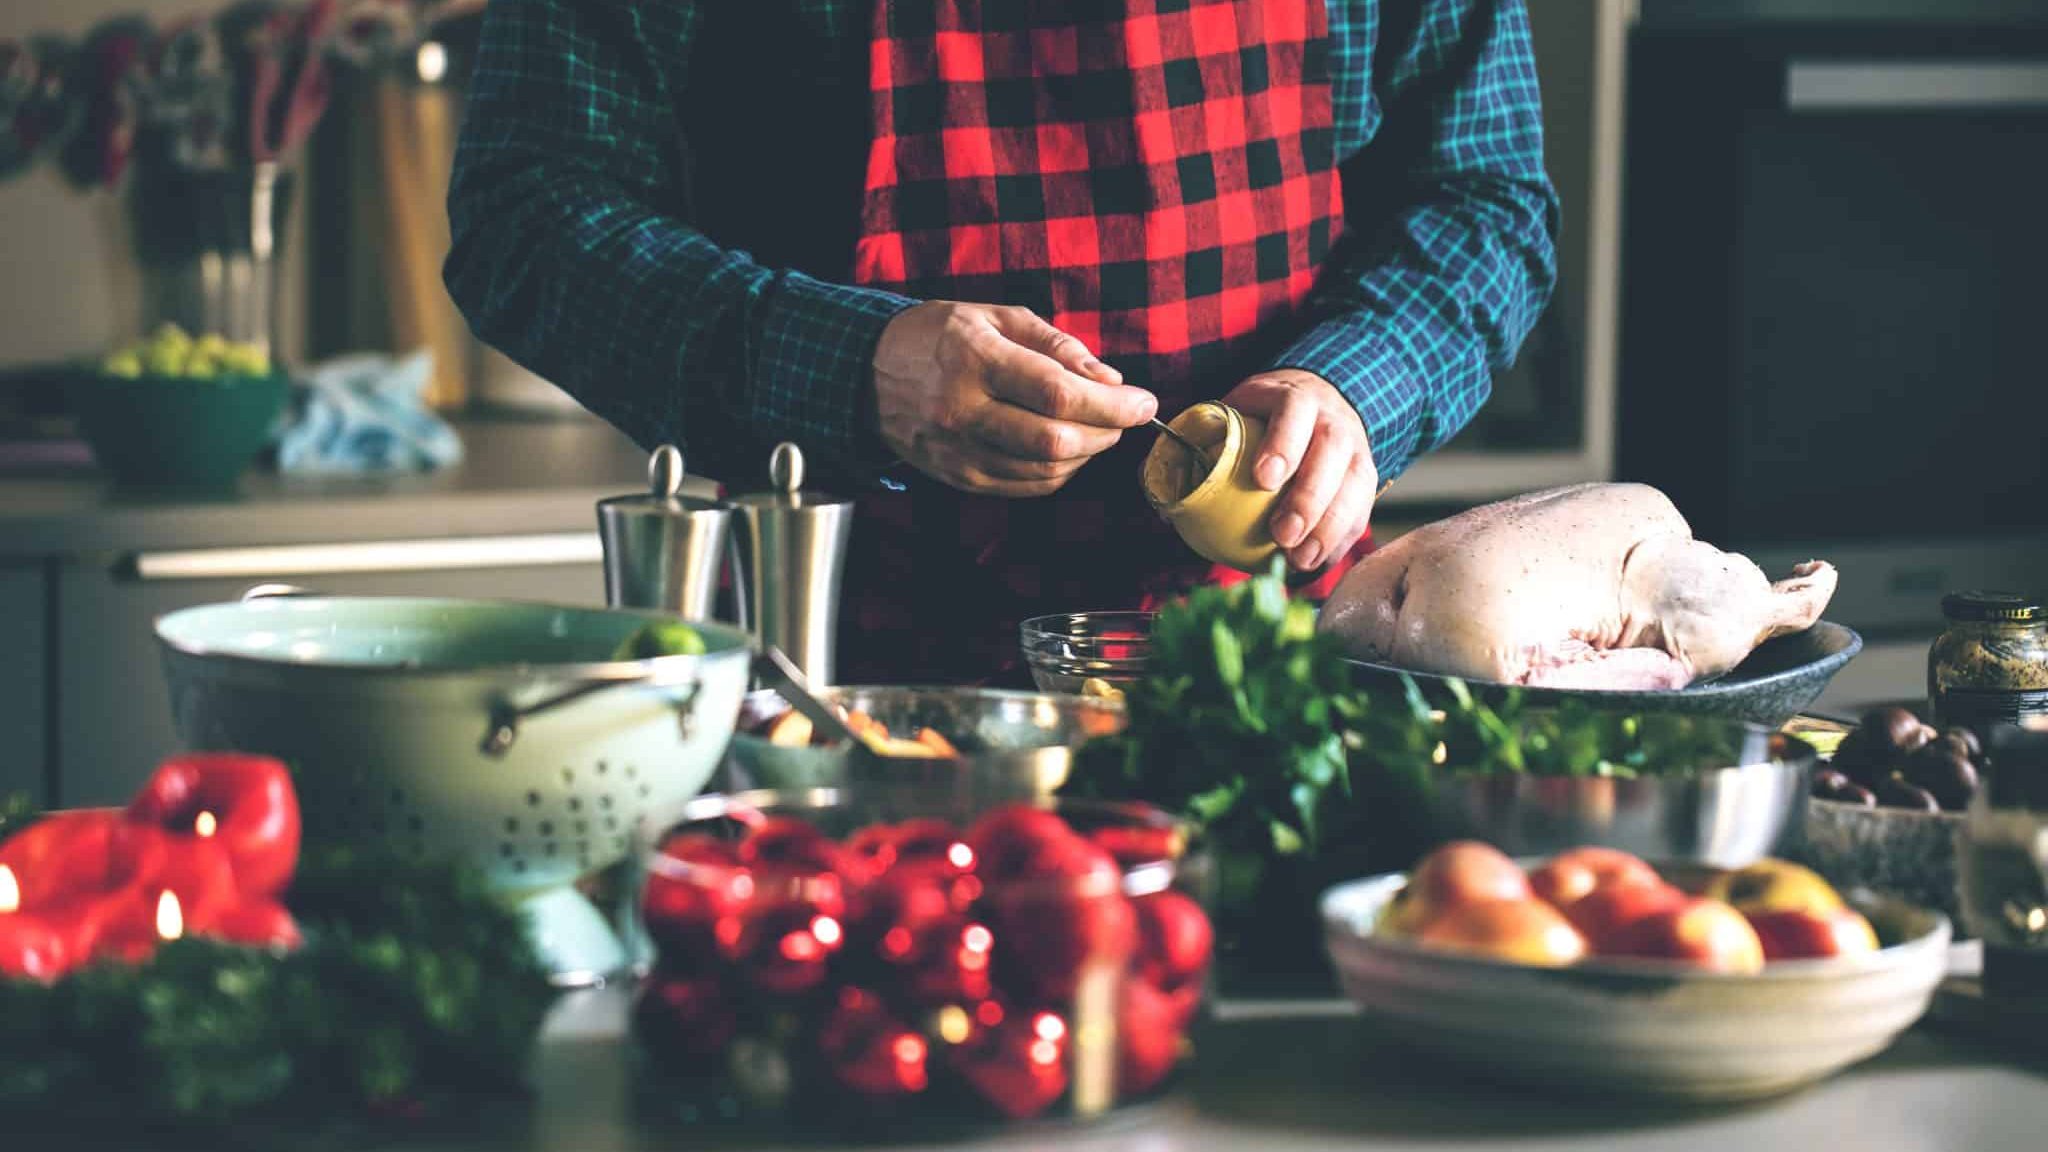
(825, 962)
(1067, 650)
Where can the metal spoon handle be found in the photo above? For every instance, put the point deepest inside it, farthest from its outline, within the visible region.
(790, 684)
(1184, 442)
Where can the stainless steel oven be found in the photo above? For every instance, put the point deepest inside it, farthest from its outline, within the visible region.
(1834, 321)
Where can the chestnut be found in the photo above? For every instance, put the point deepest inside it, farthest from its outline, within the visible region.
(1895, 791)
(1899, 727)
(1829, 784)
(1864, 756)
(1968, 739)
(1944, 770)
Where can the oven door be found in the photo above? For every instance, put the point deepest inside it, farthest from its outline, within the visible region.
(1837, 261)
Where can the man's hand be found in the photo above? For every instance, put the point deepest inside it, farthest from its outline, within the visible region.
(1315, 439)
(995, 400)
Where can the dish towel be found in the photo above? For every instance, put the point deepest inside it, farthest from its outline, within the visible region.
(366, 413)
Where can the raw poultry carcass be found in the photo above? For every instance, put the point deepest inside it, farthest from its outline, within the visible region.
(1598, 586)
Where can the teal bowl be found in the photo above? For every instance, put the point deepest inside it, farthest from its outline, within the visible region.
(173, 430)
(501, 733)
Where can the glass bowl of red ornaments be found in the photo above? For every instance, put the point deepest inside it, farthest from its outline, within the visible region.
(831, 963)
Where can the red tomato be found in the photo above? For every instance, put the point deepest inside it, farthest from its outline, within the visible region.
(1174, 938)
(1149, 1027)
(684, 1019)
(1013, 1067)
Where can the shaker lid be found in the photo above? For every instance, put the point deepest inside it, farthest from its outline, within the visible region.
(664, 489)
(2003, 607)
(786, 483)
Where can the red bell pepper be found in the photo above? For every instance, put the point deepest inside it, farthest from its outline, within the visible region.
(244, 803)
(147, 862)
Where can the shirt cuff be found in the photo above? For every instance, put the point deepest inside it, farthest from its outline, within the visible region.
(812, 373)
(1378, 378)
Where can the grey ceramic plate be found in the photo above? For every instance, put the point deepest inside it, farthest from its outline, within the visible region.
(1780, 680)
(1640, 1027)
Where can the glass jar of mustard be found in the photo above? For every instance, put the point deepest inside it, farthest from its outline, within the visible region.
(1990, 666)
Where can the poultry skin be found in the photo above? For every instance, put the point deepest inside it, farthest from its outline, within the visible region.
(1591, 586)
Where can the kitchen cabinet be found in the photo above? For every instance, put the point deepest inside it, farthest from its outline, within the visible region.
(113, 709)
(24, 659)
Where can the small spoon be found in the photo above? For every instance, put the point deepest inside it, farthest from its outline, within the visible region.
(1207, 464)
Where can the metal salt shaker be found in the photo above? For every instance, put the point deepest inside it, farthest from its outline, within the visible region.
(793, 546)
(663, 550)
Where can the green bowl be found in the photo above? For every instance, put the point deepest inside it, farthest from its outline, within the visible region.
(177, 430)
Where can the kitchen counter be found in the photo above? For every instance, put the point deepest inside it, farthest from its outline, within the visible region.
(1722, 14)
(1308, 1076)
(518, 476)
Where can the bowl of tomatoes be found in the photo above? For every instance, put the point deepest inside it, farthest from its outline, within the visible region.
(824, 960)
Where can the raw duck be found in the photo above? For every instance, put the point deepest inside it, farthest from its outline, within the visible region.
(1592, 586)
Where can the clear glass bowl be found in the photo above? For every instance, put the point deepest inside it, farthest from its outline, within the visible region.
(820, 962)
(1066, 650)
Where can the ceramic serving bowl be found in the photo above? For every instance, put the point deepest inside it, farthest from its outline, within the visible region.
(1013, 745)
(1780, 679)
(502, 733)
(1067, 650)
(178, 431)
(1641, 1027)
(1725, 814)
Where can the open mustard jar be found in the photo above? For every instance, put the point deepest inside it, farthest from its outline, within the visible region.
(1220, 511)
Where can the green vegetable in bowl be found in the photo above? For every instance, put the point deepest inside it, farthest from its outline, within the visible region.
(171, 352)
(658, 638)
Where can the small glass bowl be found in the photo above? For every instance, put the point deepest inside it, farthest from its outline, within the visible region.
(1068, 649)
(820, 962)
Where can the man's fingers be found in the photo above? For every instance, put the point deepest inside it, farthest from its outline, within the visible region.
(1034, 332)
(1015, 431)
(1287, 436)
(1034, 381)
(1306, 499)
(1346, 518)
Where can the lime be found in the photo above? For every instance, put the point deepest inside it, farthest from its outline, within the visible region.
(660, 638)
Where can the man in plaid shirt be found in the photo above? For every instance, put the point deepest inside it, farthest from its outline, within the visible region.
(957, 248)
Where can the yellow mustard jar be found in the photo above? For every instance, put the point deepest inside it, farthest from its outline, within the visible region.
(1222, 512)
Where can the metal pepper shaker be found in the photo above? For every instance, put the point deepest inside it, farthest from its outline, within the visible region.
(792, 544)
(663, 550)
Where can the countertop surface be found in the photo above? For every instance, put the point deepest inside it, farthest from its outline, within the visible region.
(1678, 14)
(1310, 1076)
(518, 476)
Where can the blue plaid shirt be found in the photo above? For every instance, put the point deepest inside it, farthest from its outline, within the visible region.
(655, 203)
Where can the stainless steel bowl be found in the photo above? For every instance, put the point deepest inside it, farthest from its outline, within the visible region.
(1013, 745)
(1066, 650)
(1725, 817)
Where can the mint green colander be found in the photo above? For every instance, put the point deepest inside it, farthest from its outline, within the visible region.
(496, 731)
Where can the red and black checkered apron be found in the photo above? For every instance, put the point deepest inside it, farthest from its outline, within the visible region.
(1155, 177)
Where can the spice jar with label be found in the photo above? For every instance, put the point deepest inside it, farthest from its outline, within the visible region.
(1990, 666)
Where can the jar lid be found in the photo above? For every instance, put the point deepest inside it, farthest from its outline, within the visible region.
(2002, 607)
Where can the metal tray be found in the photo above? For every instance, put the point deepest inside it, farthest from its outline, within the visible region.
(1778, 682)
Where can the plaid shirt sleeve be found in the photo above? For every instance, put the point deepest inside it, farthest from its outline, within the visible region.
(1453, 256)
(571, 256)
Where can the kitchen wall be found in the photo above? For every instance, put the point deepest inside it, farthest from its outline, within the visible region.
(71, 286)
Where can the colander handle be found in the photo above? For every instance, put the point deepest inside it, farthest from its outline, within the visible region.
(506, 717)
